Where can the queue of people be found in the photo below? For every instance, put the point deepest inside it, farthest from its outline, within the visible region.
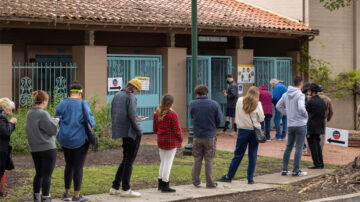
(303, 113)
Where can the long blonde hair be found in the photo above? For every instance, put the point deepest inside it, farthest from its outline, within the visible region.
(166, 102)
(251, 100)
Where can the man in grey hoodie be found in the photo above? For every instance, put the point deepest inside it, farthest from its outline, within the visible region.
(292, 104)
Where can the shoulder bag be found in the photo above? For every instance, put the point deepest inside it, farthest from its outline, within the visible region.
(259, 134)
(89, 130)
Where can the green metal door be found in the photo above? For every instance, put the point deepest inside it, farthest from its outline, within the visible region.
(130, 66)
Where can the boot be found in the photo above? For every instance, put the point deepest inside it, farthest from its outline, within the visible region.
(166, 188)
(160, 184)
(46, 198)
(37, 197)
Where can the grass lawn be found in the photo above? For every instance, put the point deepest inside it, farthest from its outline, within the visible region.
(98, 179)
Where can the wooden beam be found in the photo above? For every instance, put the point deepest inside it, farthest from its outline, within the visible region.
(90, 37)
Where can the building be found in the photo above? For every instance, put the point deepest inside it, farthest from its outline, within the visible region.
(40, 41)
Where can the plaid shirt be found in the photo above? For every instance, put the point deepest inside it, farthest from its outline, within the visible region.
(168, 131)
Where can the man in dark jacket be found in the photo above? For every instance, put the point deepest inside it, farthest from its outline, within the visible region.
(206, 115)
(231, 95)
(125, 125)
(316, 109)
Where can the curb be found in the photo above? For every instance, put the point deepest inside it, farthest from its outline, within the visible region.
(344, 198)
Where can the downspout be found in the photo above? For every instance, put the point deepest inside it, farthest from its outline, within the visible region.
(354, 58)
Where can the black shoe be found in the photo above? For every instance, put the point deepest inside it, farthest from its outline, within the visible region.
(224, 178)
(166, 188)
(80, 199)
(251, 182)
(314, 167)
(66, 197)
(212, 186)
(160, 184)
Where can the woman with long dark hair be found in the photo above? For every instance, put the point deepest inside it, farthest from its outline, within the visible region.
(249, 115)
(73, 139)
(169, 137)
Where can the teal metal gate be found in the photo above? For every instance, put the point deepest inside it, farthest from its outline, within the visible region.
(130, 66)
(212, 71)
(267, 68)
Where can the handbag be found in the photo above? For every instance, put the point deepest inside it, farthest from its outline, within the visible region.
(89, 130)
(259, 134)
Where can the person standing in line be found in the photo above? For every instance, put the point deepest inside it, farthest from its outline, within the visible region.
(306, 91)
(316, 108)
(169, 137)
(278, 90)
(126, 125)
(73, 139)
(292, 104)
(328, 114)
(231, 95)
(206, 115)
(249, 115)
(266, 102)
(6, 129)
(41, 130)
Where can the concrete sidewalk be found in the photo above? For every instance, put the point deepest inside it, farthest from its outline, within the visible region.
(186, 192)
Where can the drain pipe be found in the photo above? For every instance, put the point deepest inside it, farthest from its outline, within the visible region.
(355, 32)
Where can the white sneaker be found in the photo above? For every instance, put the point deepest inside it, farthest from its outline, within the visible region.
(130, 193)
(299, 173)
(114, 191)
(233, 133)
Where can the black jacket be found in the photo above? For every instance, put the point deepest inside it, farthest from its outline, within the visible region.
(232, 95)
(316, 109)
(6, 128)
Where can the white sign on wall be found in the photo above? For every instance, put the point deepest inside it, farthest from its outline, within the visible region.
(115, 84)
(145, 82)
(246, 74)
(337, 137)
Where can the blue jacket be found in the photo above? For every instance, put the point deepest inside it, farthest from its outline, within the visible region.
(278, 91)
(72, 131)
(206, 115)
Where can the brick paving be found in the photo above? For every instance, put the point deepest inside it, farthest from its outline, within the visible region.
(332, 154)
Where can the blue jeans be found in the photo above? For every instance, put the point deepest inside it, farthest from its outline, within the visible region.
(277, 118)
(266, 125)
(296, 135)
(245, 138)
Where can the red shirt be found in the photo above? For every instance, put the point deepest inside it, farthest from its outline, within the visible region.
(169, 135)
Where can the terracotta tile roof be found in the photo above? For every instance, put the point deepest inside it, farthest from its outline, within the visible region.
(222, 14)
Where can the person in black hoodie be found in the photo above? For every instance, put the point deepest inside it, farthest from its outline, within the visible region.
(6, 128)
(316, 109)
(231, 95)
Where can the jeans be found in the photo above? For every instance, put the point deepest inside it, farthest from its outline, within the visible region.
(296, 135)
(315, 148)
(266, 126)
(123, 174)
(44, 165)
(277, 118)
(245, 138)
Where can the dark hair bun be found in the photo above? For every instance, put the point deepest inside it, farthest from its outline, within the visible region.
(40, 96)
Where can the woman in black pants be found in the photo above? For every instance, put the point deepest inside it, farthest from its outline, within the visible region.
(6, 128)
(41, 130)
(73, 139)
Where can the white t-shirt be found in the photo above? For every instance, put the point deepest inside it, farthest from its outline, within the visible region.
(243, 120)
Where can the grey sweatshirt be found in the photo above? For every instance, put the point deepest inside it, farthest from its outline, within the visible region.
(41, 130)
(292, 104)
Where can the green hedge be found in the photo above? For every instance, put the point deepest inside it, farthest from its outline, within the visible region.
(102, 128)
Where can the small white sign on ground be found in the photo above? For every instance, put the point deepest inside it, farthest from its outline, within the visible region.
(337, 137)
(240, 89)
(145, 81)
(115, 84)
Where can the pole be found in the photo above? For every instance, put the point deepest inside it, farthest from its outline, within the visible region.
(194, 64)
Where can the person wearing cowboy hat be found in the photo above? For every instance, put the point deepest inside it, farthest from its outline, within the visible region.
(126, 125)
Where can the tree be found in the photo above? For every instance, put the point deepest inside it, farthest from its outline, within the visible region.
(336, 4)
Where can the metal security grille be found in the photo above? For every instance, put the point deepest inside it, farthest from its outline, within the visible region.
(212, 71)
(130, 66)
(52, 78)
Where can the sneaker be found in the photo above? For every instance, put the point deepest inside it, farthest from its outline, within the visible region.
(224, 178)
(285, 172)
(251, 182)
(275, 139)
(233, 133)
(114, 191)
(66, 197)
(268, 140)
(212, 186)
(299, 173)
(80, 199)
(130, 193)
(222, 132)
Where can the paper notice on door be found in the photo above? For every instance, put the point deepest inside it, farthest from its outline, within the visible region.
(145, 81)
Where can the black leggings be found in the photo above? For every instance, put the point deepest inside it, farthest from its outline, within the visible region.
(75, 159)
(44, 165)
